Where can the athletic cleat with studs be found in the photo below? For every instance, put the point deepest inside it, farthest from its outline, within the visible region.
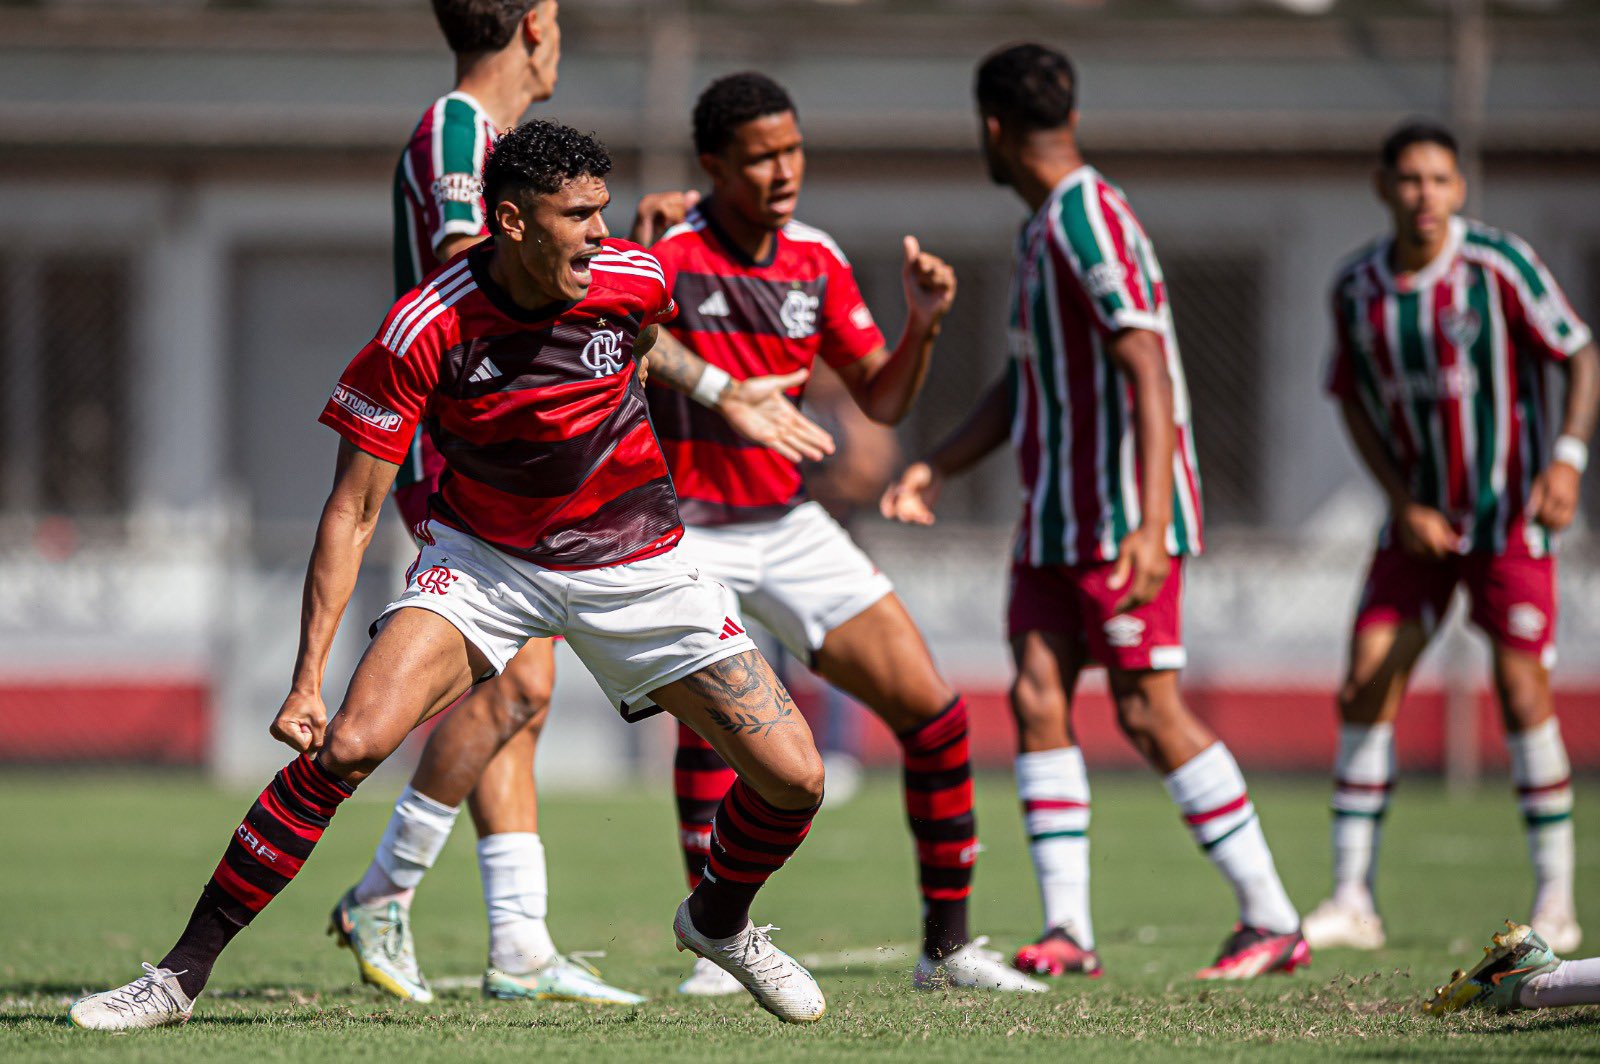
(1334, 925)
(562, 979)
(779, 983)
(1517, 955)
(380, 937)
(1558, 927)
(707, 980)
(972, 968)
(1057, 953)
(153, 1000)
(1253, 951)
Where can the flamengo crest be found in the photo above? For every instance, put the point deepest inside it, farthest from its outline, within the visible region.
(603, 353)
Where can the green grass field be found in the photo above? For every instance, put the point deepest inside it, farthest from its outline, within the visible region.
(99, 872)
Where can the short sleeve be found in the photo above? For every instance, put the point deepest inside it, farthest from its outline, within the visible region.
(445, 164)
(1340, 380)
(849, 332)
(1108, 255)
(1541, 318)
(640, 274)
(381, 396)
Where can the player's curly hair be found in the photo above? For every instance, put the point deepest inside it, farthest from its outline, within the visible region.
(730, 102)
(480, 25)
(1027, 87)
(538, 158)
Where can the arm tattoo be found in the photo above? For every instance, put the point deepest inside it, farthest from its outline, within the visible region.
(673, 364)
(646, 341)
(742, 696)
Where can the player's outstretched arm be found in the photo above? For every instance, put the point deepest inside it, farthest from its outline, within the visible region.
(885, 383)
(1553, 499)
(912, 497)
(1423, 530)
(756, 407)
(360, 484)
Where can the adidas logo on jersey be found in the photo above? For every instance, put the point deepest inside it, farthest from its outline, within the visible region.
(715, 305)
(486, 371)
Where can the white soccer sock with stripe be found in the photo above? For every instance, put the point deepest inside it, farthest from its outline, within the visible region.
(1363, 777)
(1210, 791)
(416, 832)
(1544, 792)
(516, 892)
(1054, 788)
(1571, 983)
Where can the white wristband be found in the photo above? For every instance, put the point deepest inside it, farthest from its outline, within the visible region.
(710, 386)
(1569, 450)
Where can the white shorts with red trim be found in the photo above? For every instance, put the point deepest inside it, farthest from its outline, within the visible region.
(801, 575)
(636, 627)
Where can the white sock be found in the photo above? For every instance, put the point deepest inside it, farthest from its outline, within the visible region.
(517, 894)
(417, 831)
(1209, 790)
(1571, 983)
(1363, 776)
(1543, 777)
(1054, 788)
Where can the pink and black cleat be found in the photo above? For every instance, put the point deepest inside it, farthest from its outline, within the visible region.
(1057, 953)
(1253, 951)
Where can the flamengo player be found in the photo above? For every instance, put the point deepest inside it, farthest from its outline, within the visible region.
(555, 516)
(1094, 402)
(760, 293)
(507, 56)
(1443, 332)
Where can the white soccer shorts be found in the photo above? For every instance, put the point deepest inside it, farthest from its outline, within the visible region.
(636, 627)
(801, 575)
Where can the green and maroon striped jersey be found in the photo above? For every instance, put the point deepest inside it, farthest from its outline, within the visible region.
(438, 193)
(1086, 271)
(1449, 363)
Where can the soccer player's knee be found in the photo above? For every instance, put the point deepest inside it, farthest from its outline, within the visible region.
(1139, 716)
(348, 752)
(526, 699)
(1035, 704)
(1522, 701)
(799, 785)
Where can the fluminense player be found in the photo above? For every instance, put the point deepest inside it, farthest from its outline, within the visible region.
(1519, 971)
(1094, 404)
(555, 515)
(1443, 334)
(760, 293)
(507, 57)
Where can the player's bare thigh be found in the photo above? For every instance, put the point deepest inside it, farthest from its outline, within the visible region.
(1381, 659)
(416, 667)
(510, 710)
(880, 658)
(1047, 668)
(743, 710)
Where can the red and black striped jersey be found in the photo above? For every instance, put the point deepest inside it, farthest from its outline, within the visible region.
(751, 319)
(539, 415)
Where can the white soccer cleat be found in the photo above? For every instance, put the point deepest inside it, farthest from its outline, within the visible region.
(1559, 928)
(153, 1000)
(1336, 925)
(779, 983)
(975, 968)
(707, 980)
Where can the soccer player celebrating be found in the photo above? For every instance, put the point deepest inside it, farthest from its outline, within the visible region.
(761, 293)
(507, 57)
(1518, 971)
(1095, 404)
(555, 516)
(1442, 334)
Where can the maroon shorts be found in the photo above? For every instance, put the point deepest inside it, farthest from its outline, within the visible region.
(1513, 596)
(1077, 600)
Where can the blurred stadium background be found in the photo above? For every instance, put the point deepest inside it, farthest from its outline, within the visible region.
(194, 238)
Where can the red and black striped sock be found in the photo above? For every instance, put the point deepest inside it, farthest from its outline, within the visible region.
(700, 780)
(266, 852)
(750, 839)
(938, 786)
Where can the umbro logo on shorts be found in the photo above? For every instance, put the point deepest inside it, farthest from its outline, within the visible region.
(730, 628)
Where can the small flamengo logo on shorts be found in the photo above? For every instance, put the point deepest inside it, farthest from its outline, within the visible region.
(436, 580)
(730, 628)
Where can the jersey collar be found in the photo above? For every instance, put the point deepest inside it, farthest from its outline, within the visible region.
(1430, 274)
(734, 251)
(1052, 201)
(478, 263)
